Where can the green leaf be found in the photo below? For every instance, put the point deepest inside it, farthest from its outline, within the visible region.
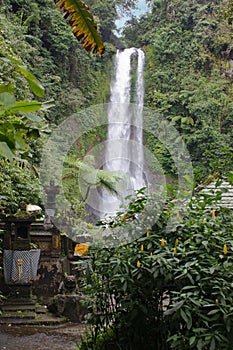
(192, 340)
(188, 179)
(48, 104)
(195, 301)
(190, 322)
(212, 344)
(7, 134)
(212, 312)
(33, 117)
(230, 177)
(176, 307)
(25, 107)
(20, 139)
(176, 118)
(6, 88)
(190, 278)
(36, 87)
(5, 151)
(200, 344)
(125, 286)
(184, 316)
(188, 287)
(10, 59)
(7, 100)
(185, 120)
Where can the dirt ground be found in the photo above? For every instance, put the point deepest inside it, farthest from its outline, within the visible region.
(25, 337)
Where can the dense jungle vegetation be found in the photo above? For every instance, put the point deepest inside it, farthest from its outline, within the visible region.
(168, 289)
(188, 78)
(35, 34)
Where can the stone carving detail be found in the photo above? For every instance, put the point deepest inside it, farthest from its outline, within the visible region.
(67, 301)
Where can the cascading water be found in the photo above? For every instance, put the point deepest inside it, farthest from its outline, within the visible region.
(124, 146)
(137, 151)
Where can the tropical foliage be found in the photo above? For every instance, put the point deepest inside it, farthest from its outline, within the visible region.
(166, 290)
(82, 24)
(188, 75)
(19, 186)
(26, 48)
(16, 126)
(227, 12)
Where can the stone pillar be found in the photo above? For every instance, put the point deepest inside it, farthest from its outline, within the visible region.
(50, 206)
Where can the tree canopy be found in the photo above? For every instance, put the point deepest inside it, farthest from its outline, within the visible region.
(189, 75)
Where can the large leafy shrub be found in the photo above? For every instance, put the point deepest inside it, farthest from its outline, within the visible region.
(19, 186)
(166, 290)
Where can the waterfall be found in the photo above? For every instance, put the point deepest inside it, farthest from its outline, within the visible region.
(124, 146)
(137, 151)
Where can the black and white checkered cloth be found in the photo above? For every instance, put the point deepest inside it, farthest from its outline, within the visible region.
(20, 267)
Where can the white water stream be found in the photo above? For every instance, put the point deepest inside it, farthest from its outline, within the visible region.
(124, 146)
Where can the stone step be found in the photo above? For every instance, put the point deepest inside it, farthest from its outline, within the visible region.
(32, 319)
(20, 301)
(29, 315)
(18, 307)
(41, 309)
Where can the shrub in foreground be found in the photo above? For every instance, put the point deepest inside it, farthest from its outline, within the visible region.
(166, 290)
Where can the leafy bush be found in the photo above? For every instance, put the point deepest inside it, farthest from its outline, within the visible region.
(166, 290)
(18, 187)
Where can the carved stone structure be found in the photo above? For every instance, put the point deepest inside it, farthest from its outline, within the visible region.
(25, 234)
(20, 263)
(68, 300)
(50, 206)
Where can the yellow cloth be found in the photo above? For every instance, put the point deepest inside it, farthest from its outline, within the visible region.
(81, 249)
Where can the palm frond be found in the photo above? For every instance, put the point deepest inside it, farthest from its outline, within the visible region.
(82, 23)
